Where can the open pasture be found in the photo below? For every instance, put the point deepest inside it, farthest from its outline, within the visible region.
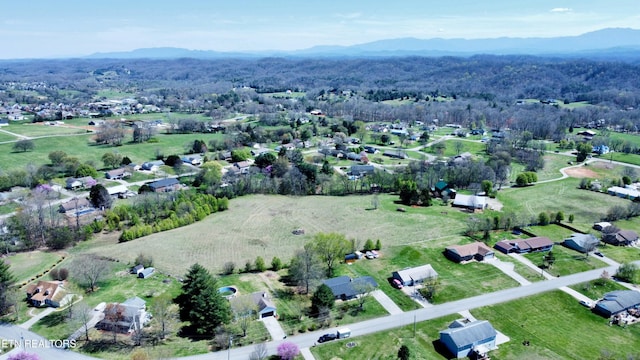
(262, 225)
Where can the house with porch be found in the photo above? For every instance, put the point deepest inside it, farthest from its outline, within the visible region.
(125, 317)
(534, 244)
(463, 253)
(44, 294)
(621, 238)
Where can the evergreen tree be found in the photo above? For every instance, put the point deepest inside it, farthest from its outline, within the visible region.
(6, 281)
(368, 245)
(404, 353)
(201, 304)
(378, 244)
(100, 197)
(322, 299)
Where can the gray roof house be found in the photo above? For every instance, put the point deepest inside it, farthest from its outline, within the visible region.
(264, 307)
(345, 288)
(616, 302)
(75, 205)
(146, 272)
(466, 338)
(581, 242)
(471, 201)
(125, 317)
(412, 276)
(165, 185)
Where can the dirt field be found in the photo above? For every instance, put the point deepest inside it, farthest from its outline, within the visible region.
(581, 172)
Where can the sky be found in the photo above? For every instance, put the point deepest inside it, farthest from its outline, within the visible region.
(68, 28)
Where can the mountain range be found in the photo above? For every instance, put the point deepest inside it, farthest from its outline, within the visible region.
(605, 43)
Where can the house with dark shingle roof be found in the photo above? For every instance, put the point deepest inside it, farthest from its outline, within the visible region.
(581, 242)
(466, 338)
(345, 288)
(615, 302)
(621, 238)
(474, 251)
(534, 244)
(75, 205)
(165, 185)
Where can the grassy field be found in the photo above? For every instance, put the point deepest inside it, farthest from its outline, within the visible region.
(6, 137)
(27, 265)
(40, 129)
(262, 225)
(595, 289)
(554, 232)
(557, 327)
(620, 254)
(557, 196)
(567, 261)
(625, 158)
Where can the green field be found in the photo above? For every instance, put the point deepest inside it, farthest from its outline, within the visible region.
(40, 129)
(562, 195)
(557, 327)
(567, 261)
(4, 137)
(25, 266)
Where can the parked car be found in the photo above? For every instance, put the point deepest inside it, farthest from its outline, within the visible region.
(369, 255)
(598, 253)
(397, 284)
(327, 337)
(585, 303)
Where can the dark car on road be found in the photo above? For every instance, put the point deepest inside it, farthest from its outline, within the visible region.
(327, 337)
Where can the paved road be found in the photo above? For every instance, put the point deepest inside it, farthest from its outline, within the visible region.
(407, 318)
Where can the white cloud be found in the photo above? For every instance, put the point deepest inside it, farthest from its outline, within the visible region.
(561, 10)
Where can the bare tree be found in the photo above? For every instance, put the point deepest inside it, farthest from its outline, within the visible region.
(364, 290)
(305, 267)
(260, 352)
(244, 309)
(83, 315)
(89, 270)
(165, 313)
(113, 314)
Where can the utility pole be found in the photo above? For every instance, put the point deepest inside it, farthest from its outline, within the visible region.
(229, 350)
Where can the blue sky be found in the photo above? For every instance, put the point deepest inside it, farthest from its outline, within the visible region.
(48, 28)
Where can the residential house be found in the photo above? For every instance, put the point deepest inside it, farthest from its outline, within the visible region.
(472, 339)
(345, 288)
(621, 238)
(416, 275)
(151, 165)
(440, 188)
(624, 192)
(474, 251)
(75, 205)
(534, 244)
(480, 132)
(396, 154)
(80, 183)
(165, 185)
(192, 159)
(119, 191)
(361, 170)
(462, 158)
(44, 293)
(600, 149)
(259, 151)
(601, 225)
(581, 242)
(241, 167)
(146, 272)
(615, 302)
(264, 306)
(472, 202)
(354, 156)
(120, 173)
(125, 317)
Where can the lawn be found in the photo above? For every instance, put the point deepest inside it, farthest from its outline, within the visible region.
(28, 265)
(555, 196)
(625, 158)
(385, 345)
(621, 254)
(552, 231)
(567, 261)
(40, 129)
(595, 289)
(4, 137)
(267, 222)
(557, 327)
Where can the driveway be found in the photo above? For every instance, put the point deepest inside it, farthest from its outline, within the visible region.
(508, 269)
(274, 328)
(386, 302)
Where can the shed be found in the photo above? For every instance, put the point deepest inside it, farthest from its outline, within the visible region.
(146, 272)
(471, 201)
(137, 269)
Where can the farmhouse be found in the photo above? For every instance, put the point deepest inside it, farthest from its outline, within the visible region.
(416, 275)
(120, 173)
(75, 205)
(621, 238)
(615, 302)
(345, 288)
(125, 317)
(264, 306)
(466, 338)
(474, 251)
(44, 293)
(539, 243)
(472, 202)
(165, 185)
(581, 242)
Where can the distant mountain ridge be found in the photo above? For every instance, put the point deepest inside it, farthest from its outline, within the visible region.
(615, 42)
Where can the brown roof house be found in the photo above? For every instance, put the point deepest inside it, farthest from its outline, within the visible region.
(620, 238)
(538, 243)
(475, 251)
(44, 293)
